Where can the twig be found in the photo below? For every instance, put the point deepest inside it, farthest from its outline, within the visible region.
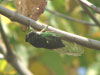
(90, 43)
(89, 13)
(11, 57)
(70, 18)
(89, 4)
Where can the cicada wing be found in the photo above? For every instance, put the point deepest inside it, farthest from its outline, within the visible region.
(71, 49)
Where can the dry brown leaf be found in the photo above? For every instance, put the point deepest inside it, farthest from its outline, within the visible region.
(30, 8)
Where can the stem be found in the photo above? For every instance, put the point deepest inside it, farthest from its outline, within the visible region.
(11, 57)
(90, 13)
(70, 18)
(90, 5)
(90, 43)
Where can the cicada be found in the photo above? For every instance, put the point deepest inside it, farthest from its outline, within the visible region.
(52, 41)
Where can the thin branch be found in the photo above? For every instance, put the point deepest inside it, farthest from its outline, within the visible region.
(92, 6)
(70, 18)
(90, 43)
(11, 57)
(89, 13)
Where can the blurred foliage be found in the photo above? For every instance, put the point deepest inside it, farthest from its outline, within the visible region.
(48, 62)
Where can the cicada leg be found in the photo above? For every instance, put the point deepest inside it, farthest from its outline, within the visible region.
(44, 29)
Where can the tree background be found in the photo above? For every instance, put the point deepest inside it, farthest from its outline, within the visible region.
(46, 62)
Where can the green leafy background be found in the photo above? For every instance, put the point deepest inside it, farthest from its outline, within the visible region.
(48, 62)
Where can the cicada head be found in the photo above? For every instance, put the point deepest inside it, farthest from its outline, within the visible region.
(29, 36)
